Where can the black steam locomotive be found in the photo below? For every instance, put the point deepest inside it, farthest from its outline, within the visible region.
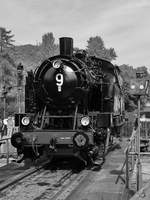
(73, 104)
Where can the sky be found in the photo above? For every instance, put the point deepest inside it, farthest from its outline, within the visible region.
(122, 24)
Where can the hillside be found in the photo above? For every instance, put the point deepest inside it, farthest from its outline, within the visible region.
(31, 56)
(28, 55)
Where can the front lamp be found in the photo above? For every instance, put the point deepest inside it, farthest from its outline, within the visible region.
(85, 121)
(141, 87)
(25, 121)
(132, 86)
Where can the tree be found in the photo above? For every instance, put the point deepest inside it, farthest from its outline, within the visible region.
(97, 48)
(5, 39)
(111, 54)
(7, 80)
(143, 70)
(48, 46)
(6, 73)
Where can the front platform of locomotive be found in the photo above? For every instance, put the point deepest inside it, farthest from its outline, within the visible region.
(56, 121)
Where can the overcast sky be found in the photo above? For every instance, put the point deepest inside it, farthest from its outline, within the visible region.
(122, 24)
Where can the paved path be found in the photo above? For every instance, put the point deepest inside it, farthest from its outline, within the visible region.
(100, 185)
(144, 193)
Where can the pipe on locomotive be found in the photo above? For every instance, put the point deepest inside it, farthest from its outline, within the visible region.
(66, 46)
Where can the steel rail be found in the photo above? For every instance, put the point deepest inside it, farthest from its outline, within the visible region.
(66, 191)
(17, 178)
(63, 192)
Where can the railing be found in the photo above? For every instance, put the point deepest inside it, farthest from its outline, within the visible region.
(132, 155)
(6, 141)
(132, 147)
(145, 129)
(128, 165)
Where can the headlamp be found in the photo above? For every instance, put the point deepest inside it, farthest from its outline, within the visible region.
(141, 86)
(85, 121)
(57, 64)
(132, 86)
(25, 121)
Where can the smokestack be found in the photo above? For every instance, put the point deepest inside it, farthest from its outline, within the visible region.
(66, 46)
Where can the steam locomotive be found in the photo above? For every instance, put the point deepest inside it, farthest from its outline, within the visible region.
(73, 104)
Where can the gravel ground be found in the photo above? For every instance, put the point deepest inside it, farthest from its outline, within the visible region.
(41, 185)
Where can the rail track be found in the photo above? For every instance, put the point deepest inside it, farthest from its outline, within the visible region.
(20, 176)
(44, 182)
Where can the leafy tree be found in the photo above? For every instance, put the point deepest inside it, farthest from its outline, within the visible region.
(5, 39)
(6, 72)
(111, 54)
(144, 71)
(7, 81)
(48, 46)
(97, 48)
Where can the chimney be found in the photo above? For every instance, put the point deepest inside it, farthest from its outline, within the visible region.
(66, 46)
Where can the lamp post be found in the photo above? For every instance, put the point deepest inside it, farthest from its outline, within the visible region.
(139, 166)
(139, 88)
(4, 92)
(19, 84)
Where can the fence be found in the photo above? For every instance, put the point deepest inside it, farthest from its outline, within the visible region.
(145, 129)
(6, 149)
(126, 129)
(133, 153)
